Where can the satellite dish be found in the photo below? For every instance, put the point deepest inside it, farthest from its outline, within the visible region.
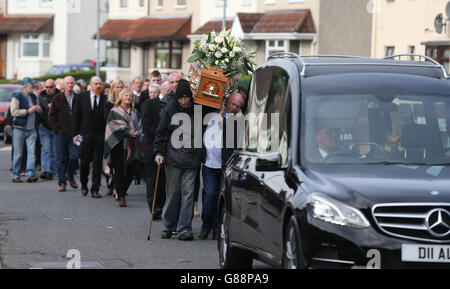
(438, 23)
(447, 10)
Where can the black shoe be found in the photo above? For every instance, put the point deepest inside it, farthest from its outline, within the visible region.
(84, 192)
(110, 191)
(32, 179)
(166, 234)
(158, 214)
(216, 236)
(17, 180)
(203, 234)
(185, 236)
(96, 195)
(44, 175)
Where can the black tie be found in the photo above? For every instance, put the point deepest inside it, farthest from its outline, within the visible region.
(95, 104)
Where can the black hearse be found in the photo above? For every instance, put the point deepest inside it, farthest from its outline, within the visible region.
(360, 171)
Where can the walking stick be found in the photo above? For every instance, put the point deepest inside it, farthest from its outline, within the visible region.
(154, 201)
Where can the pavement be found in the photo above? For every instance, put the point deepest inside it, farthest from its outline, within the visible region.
(43, 228)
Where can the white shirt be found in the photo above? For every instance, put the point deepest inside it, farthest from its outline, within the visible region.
(213, 144)
(94, 97)
(161, 96)
(324, 154)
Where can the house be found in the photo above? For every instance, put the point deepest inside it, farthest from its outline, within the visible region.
(146, 35)
(43, 33)
(305, 27)
(402, 26)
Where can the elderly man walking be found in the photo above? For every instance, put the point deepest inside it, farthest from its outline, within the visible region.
(25, 111)
(60, 118)
(216, 155)
(47, 136)
(182, 164)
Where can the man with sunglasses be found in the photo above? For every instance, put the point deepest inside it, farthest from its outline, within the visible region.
(47, 136)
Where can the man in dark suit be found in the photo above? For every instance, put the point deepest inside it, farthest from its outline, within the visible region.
(150, 111)
(88, 124)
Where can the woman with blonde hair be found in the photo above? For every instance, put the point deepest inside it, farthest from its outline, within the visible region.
(116, 87)
(123, 142)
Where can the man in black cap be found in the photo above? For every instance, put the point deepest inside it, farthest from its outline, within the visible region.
(174, 146)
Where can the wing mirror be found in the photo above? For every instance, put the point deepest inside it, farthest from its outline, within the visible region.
(269, 162)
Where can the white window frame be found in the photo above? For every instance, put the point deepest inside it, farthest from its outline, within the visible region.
(278, 48)
(46, 3)
(41, 40)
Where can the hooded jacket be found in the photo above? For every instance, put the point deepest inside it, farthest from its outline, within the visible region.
(184, 158)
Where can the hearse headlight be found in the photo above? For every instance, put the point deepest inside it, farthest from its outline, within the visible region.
(332, 211)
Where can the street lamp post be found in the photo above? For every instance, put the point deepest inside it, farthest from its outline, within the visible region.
(97, 65)
(224, 21)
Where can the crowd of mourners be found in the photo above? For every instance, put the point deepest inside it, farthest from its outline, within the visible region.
(123, 131)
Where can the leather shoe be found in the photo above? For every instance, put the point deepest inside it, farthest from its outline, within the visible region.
(166, 234)
(44, 175)
(96, 195)
(17, 180)
(203, 234)
(84, 192)
(73, 184)
(122, 202)
(62, 188)
(215, 236)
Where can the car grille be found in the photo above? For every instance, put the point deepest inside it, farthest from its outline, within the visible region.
(429, 222)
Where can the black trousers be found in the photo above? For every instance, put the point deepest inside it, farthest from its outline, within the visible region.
(91, 153)
(123, 176)
(151, 170)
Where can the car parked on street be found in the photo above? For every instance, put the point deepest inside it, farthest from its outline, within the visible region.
(356, 174)
(6, 93)
(68, 68)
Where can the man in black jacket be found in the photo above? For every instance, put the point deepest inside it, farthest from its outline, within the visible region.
(174, 146)
(150, 111)
(47, 136)
(88, 125)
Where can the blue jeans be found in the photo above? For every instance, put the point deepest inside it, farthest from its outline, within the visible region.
(67, 154)
(48, 150)
(179, 208)
(210, 196)
(27, 137)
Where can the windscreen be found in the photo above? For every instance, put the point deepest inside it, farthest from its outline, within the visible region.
(376, 129)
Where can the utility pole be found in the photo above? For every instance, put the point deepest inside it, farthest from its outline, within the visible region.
(224, 21)
(97, 66)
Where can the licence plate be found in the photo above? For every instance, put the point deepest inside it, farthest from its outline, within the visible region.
(426, 253)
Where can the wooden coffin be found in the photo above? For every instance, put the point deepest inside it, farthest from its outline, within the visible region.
(208, 86)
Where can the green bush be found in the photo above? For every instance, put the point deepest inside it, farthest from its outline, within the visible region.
(85, 75)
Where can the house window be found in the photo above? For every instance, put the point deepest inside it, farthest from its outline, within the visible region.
(141, 3)
(118, 54)
(390, 50)
(35, 46)
(123, 3)
(441, 54)
(168, 54)
(160, 3)
(181, 2)
(275, 46)
(46, 2)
